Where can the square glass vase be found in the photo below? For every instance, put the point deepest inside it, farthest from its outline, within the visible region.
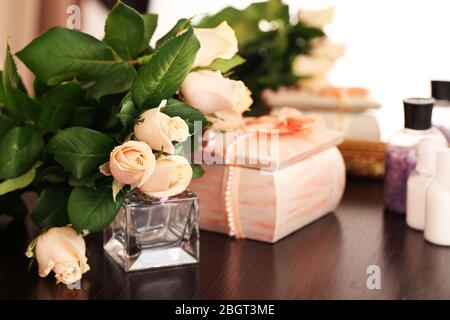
(152, 233)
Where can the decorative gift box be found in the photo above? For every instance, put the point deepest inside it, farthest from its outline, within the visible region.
(347, 109)
(279, 174)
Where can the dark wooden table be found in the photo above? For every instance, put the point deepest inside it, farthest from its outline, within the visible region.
(326, 260)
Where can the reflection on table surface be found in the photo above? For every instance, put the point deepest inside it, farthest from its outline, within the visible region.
(327, 259)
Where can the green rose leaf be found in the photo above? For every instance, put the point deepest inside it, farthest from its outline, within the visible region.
(179, 26)
(118, 80)
(228, 14)
(106, 115)
(51, 208)
(128, 111)
(52, 174)
(88, 182)
(58, 105)
(10, 75)
(14, 95)
(74, 55)
(150, 24)
(246, 22)
(225, 66)
(197, 171)
(124, 30)
(167, 68)
(306, 33)
(92, 210)
(20, 148)
(176, 108)
(20, 105)
(80, 150)
(83, 116)
(40, 88)
(55, 178)
(6, 123)
(19, 182)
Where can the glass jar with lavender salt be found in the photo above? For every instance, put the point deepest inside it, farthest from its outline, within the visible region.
(400, 157)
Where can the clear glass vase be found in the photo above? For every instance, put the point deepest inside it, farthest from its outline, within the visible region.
(153, 233)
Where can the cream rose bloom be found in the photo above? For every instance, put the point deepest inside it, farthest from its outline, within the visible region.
(318, 63)
(172, 176)
(63, 251)
(305, 65)
(324, 48)
(316, 18)
(223, 99)
(218, 42)
(158, 130)
(130, 163)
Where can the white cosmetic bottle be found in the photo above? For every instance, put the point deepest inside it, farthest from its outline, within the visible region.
(419, 180)
(437, 219)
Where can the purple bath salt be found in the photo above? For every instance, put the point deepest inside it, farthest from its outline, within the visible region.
(399, 162)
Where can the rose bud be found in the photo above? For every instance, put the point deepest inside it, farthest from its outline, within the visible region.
(316, 18)
(223, 99)
(158, 130)
(130, 163)
(61, 250)
(172, 176)
(218, 42)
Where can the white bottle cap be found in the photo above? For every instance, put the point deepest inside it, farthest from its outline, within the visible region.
(426, 154)
(443, 164)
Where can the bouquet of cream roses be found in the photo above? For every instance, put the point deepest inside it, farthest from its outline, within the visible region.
(108, 116)
(278, 51)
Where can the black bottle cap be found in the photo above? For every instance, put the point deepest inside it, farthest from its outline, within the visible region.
(418, 113)
(440, 90)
